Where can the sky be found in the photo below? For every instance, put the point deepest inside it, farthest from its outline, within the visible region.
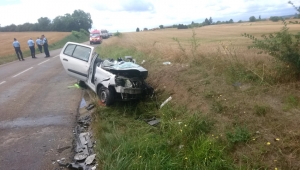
(127, 15)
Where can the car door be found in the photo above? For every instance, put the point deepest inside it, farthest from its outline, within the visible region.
(76, 59)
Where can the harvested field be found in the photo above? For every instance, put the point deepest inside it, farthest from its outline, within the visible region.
(6, 47)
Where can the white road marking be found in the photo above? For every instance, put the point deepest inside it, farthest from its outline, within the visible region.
(2, 82)
(43, 62)
(22, 72)
(56, 56)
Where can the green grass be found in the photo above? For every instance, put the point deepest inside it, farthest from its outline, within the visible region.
(125, 141)
(290, 102)
(239, 135)
(79, 37)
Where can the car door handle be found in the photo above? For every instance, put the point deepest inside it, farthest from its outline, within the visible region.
(65, 59)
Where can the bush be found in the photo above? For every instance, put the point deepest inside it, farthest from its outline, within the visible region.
(118, 34)
(275, 18)
(282, 45)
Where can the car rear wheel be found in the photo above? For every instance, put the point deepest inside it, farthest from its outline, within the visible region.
(106, 96)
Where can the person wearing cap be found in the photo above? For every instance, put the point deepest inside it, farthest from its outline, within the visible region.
(38, 42)
(17, 47)
(45, 44)
(31, 44)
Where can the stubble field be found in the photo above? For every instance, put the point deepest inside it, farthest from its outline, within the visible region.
(6, 47)
(252, 99)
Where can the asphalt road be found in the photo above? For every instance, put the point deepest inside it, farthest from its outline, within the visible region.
(37, 113)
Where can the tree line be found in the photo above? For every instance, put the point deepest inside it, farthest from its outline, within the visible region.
(66, 23)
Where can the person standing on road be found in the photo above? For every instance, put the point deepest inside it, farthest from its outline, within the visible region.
(31, 44)
(17, 47)
(45, 44)
(38, 42)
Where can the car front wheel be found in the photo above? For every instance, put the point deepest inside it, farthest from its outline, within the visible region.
(106, 96)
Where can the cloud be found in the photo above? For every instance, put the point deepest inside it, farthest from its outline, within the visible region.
(137, 6)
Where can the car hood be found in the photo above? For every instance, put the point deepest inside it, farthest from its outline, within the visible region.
(126, 69)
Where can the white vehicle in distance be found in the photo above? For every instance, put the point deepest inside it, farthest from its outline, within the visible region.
(110, 80)
(104, 34)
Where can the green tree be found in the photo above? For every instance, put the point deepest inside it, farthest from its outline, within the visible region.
(231, 21)
(44, 23)
(252, 19)
(210, 21)
(161, 26)
(137, 29)
(81, 20)
(259, 18)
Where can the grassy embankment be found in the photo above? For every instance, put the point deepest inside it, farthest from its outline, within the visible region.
(56, 40)
(231, 108)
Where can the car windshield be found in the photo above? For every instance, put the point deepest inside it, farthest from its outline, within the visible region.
(95, 35)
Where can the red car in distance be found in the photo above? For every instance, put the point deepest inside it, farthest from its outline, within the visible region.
(95, 37)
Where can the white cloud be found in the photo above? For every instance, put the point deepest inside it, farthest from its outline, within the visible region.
(126, 15)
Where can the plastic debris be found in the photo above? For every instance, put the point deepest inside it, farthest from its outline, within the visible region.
(90, 159)
(165, 102)
(154, 122)
(90, 107)
(143, 62)
(75, 85)
(167, 63)
(82, 103)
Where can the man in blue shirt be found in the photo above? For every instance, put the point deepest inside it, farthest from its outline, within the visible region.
(17, 47)
(38, 42)
(45, 44)
(31, 44)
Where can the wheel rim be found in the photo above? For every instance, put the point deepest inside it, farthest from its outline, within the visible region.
(103, 96)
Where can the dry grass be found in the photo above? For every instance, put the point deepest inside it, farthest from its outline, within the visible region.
(6, 47)
(203, 82)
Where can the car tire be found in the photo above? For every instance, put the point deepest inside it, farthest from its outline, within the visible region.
(106, 96)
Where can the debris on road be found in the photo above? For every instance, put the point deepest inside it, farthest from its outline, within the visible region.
(165, 102)
(90, 159)
(60, 150)
(90, 107)
(167, 63)
(75, 85)
(82, 103)
(84, 158)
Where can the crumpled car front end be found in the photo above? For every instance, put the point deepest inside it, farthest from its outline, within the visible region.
(128, 80)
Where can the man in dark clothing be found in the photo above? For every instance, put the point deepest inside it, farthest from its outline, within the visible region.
(31, 44)
(39, 44)
(17, 47)
(45, 44)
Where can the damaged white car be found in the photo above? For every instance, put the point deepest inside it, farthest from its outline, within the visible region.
(111, 80)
